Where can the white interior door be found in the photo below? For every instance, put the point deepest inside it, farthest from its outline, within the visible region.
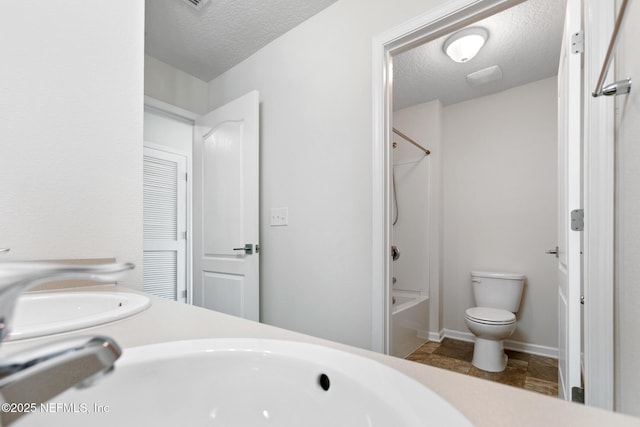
(225, 198)
(569, 199)
(165, 224)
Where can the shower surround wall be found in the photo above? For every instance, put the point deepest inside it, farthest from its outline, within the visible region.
(417, 232)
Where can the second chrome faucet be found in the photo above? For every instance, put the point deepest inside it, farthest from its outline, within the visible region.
(36, 375)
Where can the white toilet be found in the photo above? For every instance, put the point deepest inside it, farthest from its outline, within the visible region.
(497, 296)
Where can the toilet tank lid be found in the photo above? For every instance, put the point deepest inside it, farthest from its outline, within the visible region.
(493, 275)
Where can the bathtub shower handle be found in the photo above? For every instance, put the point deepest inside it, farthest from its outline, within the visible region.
(395, 252)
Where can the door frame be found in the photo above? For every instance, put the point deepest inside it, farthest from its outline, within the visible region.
(598, 178)
(570, 192)
(190, 117)
(442, 20)
(599, 190)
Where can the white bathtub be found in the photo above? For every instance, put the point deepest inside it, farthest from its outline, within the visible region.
(409, 322)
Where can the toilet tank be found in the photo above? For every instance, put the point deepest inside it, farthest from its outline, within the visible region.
(497, 290)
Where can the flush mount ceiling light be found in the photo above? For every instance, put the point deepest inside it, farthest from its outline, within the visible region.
(465, 44)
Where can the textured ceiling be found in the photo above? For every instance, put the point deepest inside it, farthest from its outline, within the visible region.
(524, 41)
(205, 43)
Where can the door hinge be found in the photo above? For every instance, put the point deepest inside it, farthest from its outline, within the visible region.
(577, 42)
(577, 219)
(186, 177)
(184, 294)
(577, 394)
(185, 235)
(257, 248)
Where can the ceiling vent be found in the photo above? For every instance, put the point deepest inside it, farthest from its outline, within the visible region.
(197, 4)
(484, 76)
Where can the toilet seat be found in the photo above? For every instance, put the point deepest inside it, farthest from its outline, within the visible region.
(490, 316)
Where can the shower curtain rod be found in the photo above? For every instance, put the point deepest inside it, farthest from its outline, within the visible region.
(621, 87)
(397, 132)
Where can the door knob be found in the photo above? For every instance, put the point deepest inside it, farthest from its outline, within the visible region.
(248, 249)
(553, 252)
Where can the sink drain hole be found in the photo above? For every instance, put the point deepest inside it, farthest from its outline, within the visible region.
(324, 382)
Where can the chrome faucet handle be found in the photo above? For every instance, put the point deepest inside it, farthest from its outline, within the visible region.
(17, 277)
(54, 368)
(69, 348)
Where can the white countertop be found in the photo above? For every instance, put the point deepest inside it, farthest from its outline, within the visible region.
(483, 402)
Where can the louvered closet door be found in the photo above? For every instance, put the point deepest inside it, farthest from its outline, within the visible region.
(165, 224)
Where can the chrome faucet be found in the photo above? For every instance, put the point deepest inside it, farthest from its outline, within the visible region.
(34, 376)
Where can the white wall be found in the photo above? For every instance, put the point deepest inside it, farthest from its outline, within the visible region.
(627, 233)
(71, 93)
(418, 232)
(168, 84)
(316, 156)
(500, 202)
(169, 130)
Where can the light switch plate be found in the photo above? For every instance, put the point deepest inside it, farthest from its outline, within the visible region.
(279, 217)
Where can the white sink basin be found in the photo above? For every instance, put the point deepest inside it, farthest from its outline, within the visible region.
(47, 313)
(248, 382)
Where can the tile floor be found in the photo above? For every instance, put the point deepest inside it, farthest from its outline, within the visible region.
(534, 373)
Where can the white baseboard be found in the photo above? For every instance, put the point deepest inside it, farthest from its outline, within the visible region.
(435, 336)
(457, 335)
(539, 350)
(536, 349)
(429, 336)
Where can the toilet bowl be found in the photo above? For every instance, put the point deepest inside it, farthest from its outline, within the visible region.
(490, 326)
(497, 296)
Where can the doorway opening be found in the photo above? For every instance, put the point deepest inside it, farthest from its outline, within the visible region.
(168, 136)
(394, 47)
(428, 27)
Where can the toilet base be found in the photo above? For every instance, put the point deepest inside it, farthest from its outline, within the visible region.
(488, 355)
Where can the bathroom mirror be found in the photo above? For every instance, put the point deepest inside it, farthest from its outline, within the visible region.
(74, 190)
